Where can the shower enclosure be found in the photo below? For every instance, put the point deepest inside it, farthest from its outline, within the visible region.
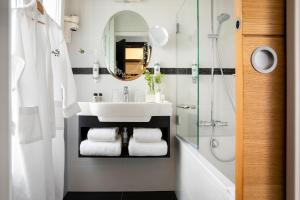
(205, 93)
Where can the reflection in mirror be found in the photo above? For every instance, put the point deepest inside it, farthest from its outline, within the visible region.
(126, 45)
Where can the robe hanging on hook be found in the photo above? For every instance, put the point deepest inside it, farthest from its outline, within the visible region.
(40, 7)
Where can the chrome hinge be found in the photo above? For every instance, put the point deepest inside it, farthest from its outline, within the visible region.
(185, 106)
(177, 120)
(177, 28)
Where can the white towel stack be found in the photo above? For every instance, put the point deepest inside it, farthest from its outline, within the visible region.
(147, 142)
(102, 142)
(103, 134)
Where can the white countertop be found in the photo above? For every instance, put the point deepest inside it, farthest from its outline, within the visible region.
(125, 111)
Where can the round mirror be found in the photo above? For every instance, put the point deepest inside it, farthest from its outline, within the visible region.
(126, 45)
(159, 36)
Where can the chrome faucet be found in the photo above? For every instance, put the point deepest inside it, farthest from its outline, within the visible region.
(126, 94)
(213, 123)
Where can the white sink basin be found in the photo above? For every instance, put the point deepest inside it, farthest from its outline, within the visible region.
(125, 111)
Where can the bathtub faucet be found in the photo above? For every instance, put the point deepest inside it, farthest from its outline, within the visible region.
(126, 94)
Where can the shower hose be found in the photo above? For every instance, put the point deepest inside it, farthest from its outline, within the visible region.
(212, 137)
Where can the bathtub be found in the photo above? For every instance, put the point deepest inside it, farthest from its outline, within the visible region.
(225, 150)
(200, 175)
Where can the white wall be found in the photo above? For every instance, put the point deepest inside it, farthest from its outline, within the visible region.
(85, 174)
(4, 102)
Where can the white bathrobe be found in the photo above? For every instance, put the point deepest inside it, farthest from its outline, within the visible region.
(64, 98)
(42, 89)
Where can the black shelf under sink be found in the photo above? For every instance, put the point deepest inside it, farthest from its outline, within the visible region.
(87, 122)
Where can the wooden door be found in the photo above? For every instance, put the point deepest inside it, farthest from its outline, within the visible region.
(261, 120)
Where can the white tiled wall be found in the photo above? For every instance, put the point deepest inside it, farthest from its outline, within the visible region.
(118, 174)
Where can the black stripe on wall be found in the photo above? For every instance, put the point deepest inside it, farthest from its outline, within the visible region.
(167, 71)
(217, 71)
(85, 70)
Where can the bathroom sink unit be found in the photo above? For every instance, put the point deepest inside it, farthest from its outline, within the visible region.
(125, 114)
(125, 111)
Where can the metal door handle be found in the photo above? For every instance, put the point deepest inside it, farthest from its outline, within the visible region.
(185, 106)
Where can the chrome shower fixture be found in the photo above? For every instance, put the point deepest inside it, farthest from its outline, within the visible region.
(221, 19)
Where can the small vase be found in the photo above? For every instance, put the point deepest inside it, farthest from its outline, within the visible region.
(157, 97)
(158, 93)
(150, 97)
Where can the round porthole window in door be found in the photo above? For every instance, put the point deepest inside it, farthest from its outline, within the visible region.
(264, 59)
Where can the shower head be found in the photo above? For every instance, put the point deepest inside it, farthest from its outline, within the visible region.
(221, 19)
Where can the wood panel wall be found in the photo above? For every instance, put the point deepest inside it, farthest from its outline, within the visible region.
(261, 104)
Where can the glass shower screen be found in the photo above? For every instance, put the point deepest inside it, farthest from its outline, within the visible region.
(187, 78)
(206, 80)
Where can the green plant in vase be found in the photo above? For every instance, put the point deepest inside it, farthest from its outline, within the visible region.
(154, 86)
(158, 77)
(150, 82)
(158, 81)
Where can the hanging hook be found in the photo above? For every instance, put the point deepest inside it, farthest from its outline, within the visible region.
(40, 7)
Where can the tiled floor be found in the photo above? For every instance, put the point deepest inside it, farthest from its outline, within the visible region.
(120, 196)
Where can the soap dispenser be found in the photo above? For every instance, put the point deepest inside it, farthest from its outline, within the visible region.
(96, 67)
(156, 68)
(96, 75)
(158, 89)
(194, 72)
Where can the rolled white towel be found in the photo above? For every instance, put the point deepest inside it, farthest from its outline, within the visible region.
(147, 149)
(102, 134)
(91, 148)
(147, 135)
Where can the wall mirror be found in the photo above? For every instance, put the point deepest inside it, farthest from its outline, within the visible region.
(126, 47)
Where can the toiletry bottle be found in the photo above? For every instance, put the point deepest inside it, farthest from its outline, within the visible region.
(157, 90)
(95, 97)
(126, 94)
(194, 72)
(125, 137)
(99, 97)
